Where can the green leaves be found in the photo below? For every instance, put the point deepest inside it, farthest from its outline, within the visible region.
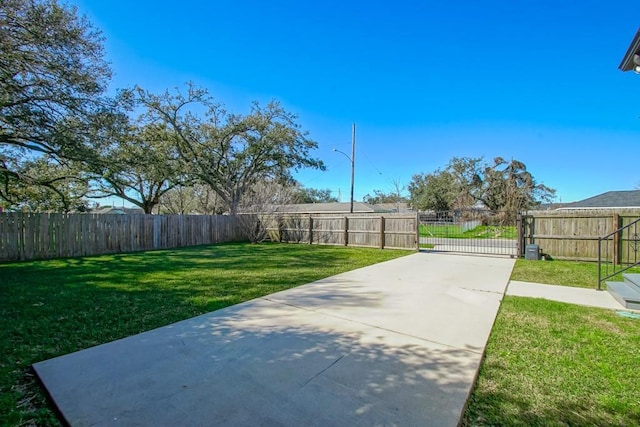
(467, 181)
(434, 191)
(52, 78)
(140, 165)
(52, 75)
(231, 152)
(52, 69)
(44, 184)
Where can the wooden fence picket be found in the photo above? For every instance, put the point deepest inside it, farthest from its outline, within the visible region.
(27, 236)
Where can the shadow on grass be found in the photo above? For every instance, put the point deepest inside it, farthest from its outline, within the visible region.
(50, 308)
(266, 364)
(550, 363)
(502, 408)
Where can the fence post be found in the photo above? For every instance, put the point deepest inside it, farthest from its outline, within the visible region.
(520, 230)
(616, 239)
(530, 225)
(346, 230)
(310, 229)
(418, 231)
(381, 232)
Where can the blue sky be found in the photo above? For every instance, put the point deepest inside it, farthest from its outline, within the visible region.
(424, 81)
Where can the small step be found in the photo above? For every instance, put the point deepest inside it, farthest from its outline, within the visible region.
(632, 279)
(626, 294)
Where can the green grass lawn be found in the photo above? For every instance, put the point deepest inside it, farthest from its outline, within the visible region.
(554, 364)
(51, 308)
(479, 232)
(557, 272)
(546, 363)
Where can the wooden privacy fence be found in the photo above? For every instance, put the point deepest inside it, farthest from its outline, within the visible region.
(396, 231)
(26, 236)
(573, 234)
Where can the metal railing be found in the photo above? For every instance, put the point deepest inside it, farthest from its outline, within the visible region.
(621, 249)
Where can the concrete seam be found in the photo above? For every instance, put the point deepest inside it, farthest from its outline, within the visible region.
(483, 290)
(324, 370)
(373, 326)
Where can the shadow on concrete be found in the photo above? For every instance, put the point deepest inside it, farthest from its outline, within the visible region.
(263, 363)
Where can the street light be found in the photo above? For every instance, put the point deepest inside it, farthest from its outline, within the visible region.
(352, 160)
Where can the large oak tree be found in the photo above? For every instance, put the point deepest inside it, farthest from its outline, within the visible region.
(140, 165)
(52, 77)
(231, 152)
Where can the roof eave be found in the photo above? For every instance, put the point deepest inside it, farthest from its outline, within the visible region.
(568, 208)
(627, 63)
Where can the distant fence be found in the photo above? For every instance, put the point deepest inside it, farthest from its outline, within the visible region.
(26, 236)
(573, 234)
(394, 231)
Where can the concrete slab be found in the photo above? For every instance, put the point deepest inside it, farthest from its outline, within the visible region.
(579, 296)
(421, 296)
(398, 343)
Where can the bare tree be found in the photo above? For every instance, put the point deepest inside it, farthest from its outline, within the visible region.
(197, 198)
(180, 200)
(261, 208)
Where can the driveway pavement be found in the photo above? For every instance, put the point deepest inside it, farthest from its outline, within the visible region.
(472, 246)
(397, 343)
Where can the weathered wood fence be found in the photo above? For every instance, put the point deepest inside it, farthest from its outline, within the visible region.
(26, 236)
(394, 231)
(573, 234)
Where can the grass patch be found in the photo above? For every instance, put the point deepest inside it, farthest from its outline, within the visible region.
(555, 364)
(51, 308)
(479, 232)
(557, 272)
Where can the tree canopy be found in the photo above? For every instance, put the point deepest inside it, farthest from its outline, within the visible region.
(466, 181)
(140, 166)
(231, 152)
(52, 77)
(54, 114)
(62, 139)
(379, 196)
(432, 191)
(313, 195)
(56, 187)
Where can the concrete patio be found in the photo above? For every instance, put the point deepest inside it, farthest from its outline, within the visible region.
(397, 343)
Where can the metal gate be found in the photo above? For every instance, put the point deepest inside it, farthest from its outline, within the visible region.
(475, 231)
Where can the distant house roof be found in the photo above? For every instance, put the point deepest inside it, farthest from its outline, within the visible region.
(629, 62)
(118, 211)
(395, 207)
(609, 200)
(550, 206)
(316, 208)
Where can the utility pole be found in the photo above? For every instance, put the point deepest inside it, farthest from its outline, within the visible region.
(353, 161)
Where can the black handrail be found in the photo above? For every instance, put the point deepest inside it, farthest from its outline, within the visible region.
(633, 243)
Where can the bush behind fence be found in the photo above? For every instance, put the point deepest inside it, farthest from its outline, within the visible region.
(27, 236)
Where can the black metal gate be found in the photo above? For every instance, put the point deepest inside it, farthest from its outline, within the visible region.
(470, 231)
